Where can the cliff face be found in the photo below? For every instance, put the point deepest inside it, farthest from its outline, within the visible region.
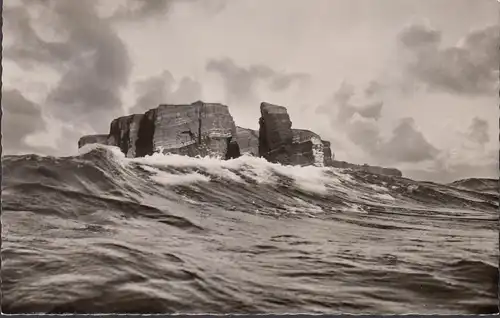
(93, 139)
(308, 148)
(207, 129)
(278, 142)
(248, 141)
(194, 129)
(329, 155)
(275, 134)
(123, 133)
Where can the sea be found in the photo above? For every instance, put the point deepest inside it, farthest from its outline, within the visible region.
(101, 233)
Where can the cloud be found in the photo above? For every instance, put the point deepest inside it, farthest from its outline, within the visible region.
(348, 104)
(468, 68)
(163, 89)
(240, 82)
(93, 60)
(99, 70)
(357, 116)
(138, 10)
(28, 49)
(479, 131)
(419, 35)
(20, 119)
(407, 144)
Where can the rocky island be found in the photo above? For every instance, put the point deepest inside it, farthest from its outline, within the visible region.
(208, 129)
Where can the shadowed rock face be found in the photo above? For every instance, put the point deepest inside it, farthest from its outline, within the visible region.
(93, 139)
(195, 129)
(309, 149)
(329, 155)
(248, 141)
(123, 133)
(275, 134)
(278, 142)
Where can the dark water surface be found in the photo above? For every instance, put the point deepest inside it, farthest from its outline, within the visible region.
(100, 233)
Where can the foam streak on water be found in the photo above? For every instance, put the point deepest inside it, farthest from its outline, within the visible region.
(167, 233)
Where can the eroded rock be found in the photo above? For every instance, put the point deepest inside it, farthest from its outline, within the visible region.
(208, 129)
(93, 139)
(248, 141)
(123, 133)
(275, 134)
(279, 143)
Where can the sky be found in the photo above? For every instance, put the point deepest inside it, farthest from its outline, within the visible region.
(411, 84)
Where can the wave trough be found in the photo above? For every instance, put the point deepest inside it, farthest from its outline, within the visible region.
(101, 233)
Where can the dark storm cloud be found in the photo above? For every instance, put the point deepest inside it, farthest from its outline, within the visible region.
(346, 108)
(281, 82)
(240, 81)
(99, 70)
(161, 89)
(93, 60)
(418, 36)
(359, 121)
(21, 118)
(469, 68)
(137, 10)
(28, 49)
(407, 144)
(479, 131)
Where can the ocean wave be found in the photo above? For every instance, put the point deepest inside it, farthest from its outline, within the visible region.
(99, 232)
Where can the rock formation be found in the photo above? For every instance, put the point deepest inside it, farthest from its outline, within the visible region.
(319, 150)
(93, 139)
(208, 129)
(195, 129)
(275, 134)
(278, 142)
(248, 141)
(124, 133)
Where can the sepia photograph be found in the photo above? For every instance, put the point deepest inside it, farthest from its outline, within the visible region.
(250, 157)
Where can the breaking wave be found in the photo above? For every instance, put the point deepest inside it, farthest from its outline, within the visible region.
(99, 232)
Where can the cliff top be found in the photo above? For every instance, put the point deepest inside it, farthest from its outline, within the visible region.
(272, 109)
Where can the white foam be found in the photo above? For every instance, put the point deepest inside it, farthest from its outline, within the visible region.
(377, 188)
(170, 179)
(309, 178)
(115, 151)
(384, 196)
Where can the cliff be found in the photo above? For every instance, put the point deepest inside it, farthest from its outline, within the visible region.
(278, 142)
(248, 141)
(124, 133)
(208, 129)
(194, 129)
(93, 139)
